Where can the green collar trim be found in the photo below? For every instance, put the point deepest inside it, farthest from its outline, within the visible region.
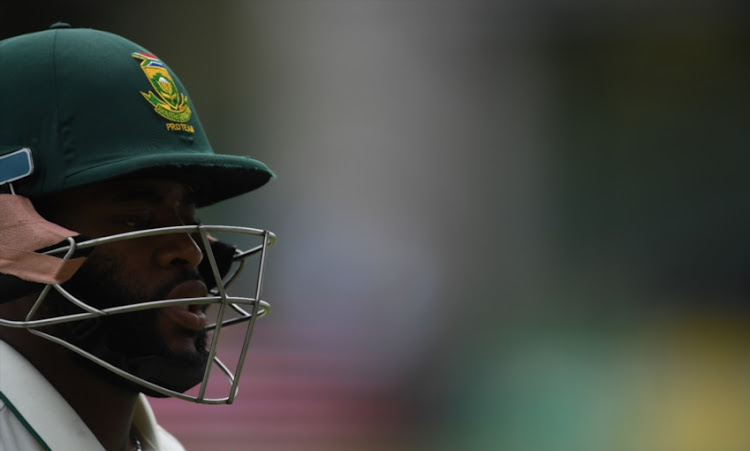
(25, 423)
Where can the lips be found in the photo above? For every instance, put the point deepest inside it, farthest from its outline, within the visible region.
(189, 317)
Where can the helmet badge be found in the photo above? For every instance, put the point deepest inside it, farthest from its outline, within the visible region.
(167, 101)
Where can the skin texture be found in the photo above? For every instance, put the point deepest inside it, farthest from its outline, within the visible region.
(127, 271)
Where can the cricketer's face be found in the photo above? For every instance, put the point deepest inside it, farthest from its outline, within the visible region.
(139, 270)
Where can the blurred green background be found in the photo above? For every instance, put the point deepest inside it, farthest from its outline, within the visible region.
(510, 225)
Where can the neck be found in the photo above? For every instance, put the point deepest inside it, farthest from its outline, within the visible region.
(106, 408)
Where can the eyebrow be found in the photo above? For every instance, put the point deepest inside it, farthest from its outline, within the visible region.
(137, 195)
(148, 196)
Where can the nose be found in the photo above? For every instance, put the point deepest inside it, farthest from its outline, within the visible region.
(179, 250)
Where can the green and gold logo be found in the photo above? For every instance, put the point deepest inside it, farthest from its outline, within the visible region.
(167, 101)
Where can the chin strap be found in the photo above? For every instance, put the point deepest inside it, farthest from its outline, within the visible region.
(23, 233)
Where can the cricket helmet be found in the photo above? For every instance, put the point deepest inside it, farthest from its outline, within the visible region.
(83, 106)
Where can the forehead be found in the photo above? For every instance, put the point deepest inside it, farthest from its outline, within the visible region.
(151, 190)
(83, 208)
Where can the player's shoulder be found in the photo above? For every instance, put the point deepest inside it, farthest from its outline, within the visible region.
(167, 441)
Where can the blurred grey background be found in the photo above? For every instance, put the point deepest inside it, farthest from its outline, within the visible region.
(510, 225)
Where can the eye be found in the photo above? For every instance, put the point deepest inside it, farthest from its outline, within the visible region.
(136, 222)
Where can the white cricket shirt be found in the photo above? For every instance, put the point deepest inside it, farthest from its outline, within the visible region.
(34, 416)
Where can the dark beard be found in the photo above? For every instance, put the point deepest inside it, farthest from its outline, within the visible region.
(129, 341)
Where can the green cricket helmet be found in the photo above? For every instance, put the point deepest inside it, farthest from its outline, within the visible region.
(94, 106)
(83, 106)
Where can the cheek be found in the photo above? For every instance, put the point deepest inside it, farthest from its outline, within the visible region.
(134, 258)
(126, 266)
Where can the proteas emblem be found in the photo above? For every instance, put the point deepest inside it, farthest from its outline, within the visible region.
(167, 101)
